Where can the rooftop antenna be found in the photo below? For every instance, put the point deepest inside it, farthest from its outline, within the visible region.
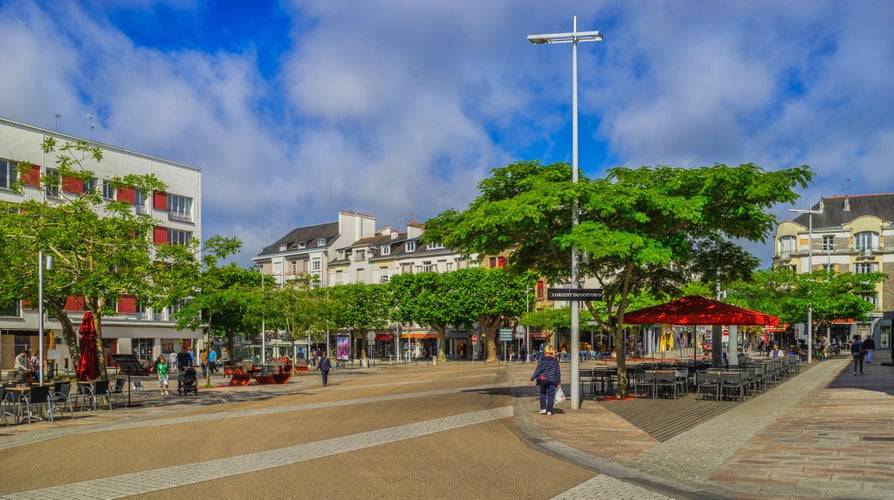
(400, 222)
(57, 115)
(92, 126)
(847, 190)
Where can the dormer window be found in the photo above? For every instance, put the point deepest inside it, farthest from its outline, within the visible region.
(282, 247)
(386, 250)
(360, 255)
(432, 246)
(411, 246)
(340, 255)
(321, 242)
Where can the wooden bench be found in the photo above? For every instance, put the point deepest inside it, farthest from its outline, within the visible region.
(277, 372)
(240, 374)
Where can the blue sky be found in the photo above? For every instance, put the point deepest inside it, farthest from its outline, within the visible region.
(397, 108)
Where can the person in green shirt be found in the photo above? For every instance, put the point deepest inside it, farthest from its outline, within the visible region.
(161, 368)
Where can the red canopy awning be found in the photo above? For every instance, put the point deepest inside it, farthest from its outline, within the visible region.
(696, 310)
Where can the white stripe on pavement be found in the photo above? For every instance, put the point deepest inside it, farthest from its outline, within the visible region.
(137, 483)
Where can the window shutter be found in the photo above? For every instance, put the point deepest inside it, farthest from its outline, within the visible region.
(31, 177)
(159, 235)
(127, 194)
(75, 303)
(159, 200)
(127, 304)
(72, 185)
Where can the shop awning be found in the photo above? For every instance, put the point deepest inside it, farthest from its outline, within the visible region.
(384, 337)
(420, 335)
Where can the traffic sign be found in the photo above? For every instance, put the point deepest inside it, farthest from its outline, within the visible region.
(474, 338)
(505, 334)
(574, 294)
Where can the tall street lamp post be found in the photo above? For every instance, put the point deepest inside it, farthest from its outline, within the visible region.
(41, 265)
(809, 270)
(573, 38)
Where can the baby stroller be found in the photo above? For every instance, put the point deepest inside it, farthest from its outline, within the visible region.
(186, 382)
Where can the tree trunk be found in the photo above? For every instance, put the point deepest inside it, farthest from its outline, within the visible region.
(489, 331)
(621, 356)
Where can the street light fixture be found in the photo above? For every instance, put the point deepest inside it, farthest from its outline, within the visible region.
(809, 270)
(41, 265)
(573, 38)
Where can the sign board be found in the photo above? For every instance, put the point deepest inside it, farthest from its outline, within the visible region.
(54, 354)
(505, 334)
(574, 294)
(475, 338)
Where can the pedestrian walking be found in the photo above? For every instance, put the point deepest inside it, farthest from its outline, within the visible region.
(858, 351)
(324, 365)
(212, 361)
(869, 345)
(548, 377)
(161, 369)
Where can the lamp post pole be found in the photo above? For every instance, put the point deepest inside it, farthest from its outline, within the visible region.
(809, 270)
(573, 38)
(40, 267)
(527, 328)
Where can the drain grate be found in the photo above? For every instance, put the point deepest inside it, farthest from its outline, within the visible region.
(878, 438)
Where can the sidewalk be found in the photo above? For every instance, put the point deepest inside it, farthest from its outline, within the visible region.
(823, 433)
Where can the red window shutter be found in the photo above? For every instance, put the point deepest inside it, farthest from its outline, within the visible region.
(31, 177)
(75, 303)
(501, 261)
(160, 200)
(72, 185)
(159, 235)
(127, 194)
(127, 304)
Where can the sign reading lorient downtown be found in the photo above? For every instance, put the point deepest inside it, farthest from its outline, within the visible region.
(573, 294)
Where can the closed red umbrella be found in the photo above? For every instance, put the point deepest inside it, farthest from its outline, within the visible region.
(88, 365)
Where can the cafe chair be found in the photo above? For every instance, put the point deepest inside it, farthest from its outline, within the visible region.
(62, 398)
(101, 393)
(38, 400)
(118, 390)
(666, 384)
(733, 384)
(644, 383)
(709, 383)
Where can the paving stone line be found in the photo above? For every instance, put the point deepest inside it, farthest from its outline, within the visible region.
(149, 481)
(604, 487)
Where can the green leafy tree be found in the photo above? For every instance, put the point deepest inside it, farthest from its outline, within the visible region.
(549, 321)
(648, 228)
(426, 299)
(359, 308)
(788, 295)
(218, 294)
(101, 248)
(492, 298)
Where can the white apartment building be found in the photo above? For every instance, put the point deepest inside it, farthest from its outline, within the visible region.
(846, 234)
(133, 329)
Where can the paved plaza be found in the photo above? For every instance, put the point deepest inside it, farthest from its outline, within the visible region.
(822, 434)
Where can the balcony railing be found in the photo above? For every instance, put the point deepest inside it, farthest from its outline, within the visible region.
(180, 216)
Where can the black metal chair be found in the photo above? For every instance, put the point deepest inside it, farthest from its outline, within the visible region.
(62, 397)
(733, 383)
(644, 381)
(666, 384)
(709, 383)
(38, 399)
(101, 392)
(118, 390)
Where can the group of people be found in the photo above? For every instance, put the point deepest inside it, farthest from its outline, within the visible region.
(861, 351)
(25, 369)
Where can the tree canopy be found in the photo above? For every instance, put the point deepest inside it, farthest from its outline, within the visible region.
(640, 229)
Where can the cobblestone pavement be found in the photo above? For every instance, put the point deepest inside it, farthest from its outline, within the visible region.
(825, 433)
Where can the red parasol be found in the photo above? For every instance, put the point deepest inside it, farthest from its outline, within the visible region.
(88, 365)
(695, 310)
